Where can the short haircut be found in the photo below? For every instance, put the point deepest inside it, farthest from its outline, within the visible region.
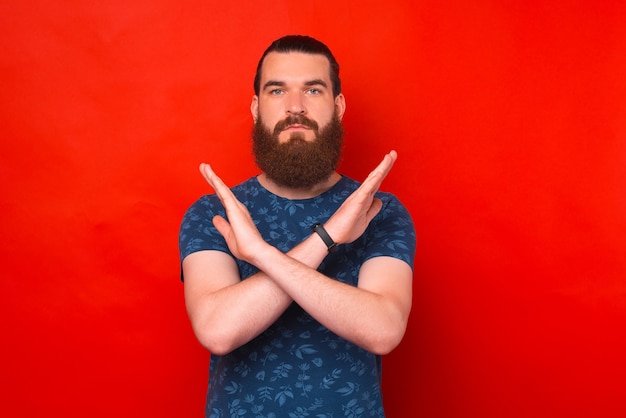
(301, 43)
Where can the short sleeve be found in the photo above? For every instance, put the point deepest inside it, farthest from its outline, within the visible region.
(197, 232)
(392, 232)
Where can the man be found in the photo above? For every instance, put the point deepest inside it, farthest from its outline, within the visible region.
(298, 279)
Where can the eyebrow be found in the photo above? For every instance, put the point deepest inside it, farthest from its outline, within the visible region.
(276, 83)
(316, 82)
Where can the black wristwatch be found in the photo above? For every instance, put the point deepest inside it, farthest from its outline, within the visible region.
(332, 245)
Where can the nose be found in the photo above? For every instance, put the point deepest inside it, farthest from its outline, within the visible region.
(295, 105)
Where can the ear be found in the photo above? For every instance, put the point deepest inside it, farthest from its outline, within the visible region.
(340, 105)
(254, 107)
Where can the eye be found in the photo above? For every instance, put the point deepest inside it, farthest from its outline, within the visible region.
(275, 92)
(314, 91)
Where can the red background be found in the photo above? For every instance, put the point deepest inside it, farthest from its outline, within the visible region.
(509, 118)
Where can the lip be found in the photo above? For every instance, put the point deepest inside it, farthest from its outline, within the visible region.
(296, 127)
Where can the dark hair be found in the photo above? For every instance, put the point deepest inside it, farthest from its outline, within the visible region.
(301, 43)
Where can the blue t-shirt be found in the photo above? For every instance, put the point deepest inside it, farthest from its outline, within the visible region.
(297, 367)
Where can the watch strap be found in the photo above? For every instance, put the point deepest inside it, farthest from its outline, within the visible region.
(330, 243)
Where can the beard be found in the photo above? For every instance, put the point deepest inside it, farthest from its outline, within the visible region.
(298, 163)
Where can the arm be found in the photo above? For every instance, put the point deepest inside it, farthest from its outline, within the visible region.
(227, 312)
(372, 315)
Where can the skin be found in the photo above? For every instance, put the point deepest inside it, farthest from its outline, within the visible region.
(227, 312)
(292, 84)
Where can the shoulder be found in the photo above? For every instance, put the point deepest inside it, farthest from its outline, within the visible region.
(391, 203)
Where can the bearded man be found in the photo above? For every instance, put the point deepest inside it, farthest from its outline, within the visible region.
(297, 280)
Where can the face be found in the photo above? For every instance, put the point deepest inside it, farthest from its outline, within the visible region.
(296, 85)
(297, 137)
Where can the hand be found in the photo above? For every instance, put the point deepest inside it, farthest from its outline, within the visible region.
(352, 218)
(240, 232)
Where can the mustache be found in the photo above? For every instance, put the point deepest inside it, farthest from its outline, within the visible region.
(295, 120)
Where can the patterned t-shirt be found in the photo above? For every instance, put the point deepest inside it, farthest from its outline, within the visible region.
(297, 367)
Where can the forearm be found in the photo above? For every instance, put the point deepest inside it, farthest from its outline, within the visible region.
(232, 315)
(373, 321)
(229, 317)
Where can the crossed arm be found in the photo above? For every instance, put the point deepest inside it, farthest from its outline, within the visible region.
(227, 312)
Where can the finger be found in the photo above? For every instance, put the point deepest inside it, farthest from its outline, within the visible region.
(385, 165)
(376, 176)
(387, 162)
(215, 181)
(207, 173)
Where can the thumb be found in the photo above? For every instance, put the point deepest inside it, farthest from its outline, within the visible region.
(222, 226)
(376, 206)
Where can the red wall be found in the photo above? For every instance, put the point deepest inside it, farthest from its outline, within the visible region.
(510, 123)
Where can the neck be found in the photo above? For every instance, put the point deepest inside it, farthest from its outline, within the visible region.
(297, 193)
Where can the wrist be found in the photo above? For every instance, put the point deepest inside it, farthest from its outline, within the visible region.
(264, 256)
(321, 232)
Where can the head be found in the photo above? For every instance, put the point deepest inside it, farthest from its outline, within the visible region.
(306, 45)
(297, 110)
